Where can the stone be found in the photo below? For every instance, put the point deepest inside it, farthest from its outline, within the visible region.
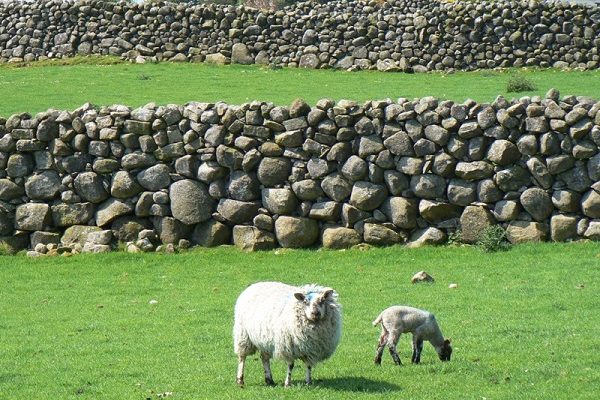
(279, 201)
(44, 238)
(380, 235)
(32, 216)
(340, 238)
(273, 171)
(124, 185)
(475, 170)
(307, 189)
(590, 202)
(593, 231)
(170, 230)
(127, 229)
(243, 186)
(238, 212)
(211, 233)
(438, 211)
(563, 228)
(473, 222)
(110, 210)
(154, 178)
(355, 168)
(10, 190)
(426, 237)
(540, 173)
(325, 211)
(90, 187)
(537, 203)
(43, 186)
(525, 231)
(367, 196)
(250, 238)
(399, 144)
(241, 55)
(503, 152)
(422, 276)
(401, 212)
(72, 214)
(100, 237)
(190, 201)
(461, 192)
(428, 186)
(506, 210)
(296, 232)
(77, 234)
(336, 187)
(566, 200)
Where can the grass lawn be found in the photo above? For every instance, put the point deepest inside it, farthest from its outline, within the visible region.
(104, 81)
(524, 323)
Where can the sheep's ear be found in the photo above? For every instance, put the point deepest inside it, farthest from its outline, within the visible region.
(328, 294)
(299, 296)
(447, 341)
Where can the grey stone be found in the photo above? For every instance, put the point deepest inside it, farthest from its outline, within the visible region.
(90, 186)
(355, 168)
(124, 185)
(473, 222)
(475, 170)
(428, 186)
(307, 189)
(273, 171)
(241, 55)
(340, 238)
(436, 212)
(237, 212)
(380, 235)
(367, 196)
(77, 234)
(507, 210)
(211, 233)
(537, 203)
(461, 192)
(110, 210)
(72, 214)
(401, 212)
(10, 190)
(32, 216)
(563, 228)
(426, 237)
(296, 232)
(190, 201)
(279, 201)
(503, 152)
(43, 186)
(250, 238)
(590, 202)
(154, 178)
(336, 187)
(525, 231)
(127, 229)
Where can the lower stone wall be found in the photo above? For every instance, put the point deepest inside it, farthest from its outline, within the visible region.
(333, 174)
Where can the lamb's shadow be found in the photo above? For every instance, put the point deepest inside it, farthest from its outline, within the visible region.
(357, 384)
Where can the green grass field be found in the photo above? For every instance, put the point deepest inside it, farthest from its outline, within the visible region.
(105, 81)
(524, 323)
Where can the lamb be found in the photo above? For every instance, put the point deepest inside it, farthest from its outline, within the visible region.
(288, 323)
(422, 324)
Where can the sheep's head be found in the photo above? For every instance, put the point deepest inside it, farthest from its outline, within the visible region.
(445, 351)
(315, 303)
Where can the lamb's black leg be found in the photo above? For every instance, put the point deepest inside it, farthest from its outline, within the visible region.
(379, 354)
(417, 351)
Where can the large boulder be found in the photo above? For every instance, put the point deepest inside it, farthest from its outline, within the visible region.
(526, 231)
(336, 187)
(273, 171)
(243, 186)
(279, 201)
(32, 216)
(367, 196)
(211, 233)
(296, 232)
(473, 222)
(238, 212)
(340, 238)
(380, 235)
(241, 55)
(428, 186)
(43, 186)
(124, 185)
(90, 187)
(190, 201)
(155, 178)
(250, 238)
(400, 211)
(537, 203)
(72, 214)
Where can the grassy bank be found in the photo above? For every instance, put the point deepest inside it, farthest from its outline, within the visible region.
(100, 81)
(523, 323)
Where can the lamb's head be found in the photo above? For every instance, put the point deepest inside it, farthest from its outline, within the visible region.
(445, 351)
(315, 303)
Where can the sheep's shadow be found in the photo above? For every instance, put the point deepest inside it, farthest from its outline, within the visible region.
(357, 384)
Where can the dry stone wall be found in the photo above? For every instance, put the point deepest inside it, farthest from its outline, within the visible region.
(406, 35)
(334, 174)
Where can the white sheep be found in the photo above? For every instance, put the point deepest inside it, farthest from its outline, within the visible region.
(286, 322)
(396, 320)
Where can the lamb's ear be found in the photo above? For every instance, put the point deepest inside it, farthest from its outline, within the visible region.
(299, 296)
(327, 294)
(447, 341)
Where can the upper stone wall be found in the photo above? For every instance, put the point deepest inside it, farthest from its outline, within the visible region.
(408, 35)
(335, 174)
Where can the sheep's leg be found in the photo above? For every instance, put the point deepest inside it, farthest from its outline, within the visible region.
(288, 377)
(392, 342)
(380, 347)
(240, 371)
(265, 358)
(308, 375)
(417, 349)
